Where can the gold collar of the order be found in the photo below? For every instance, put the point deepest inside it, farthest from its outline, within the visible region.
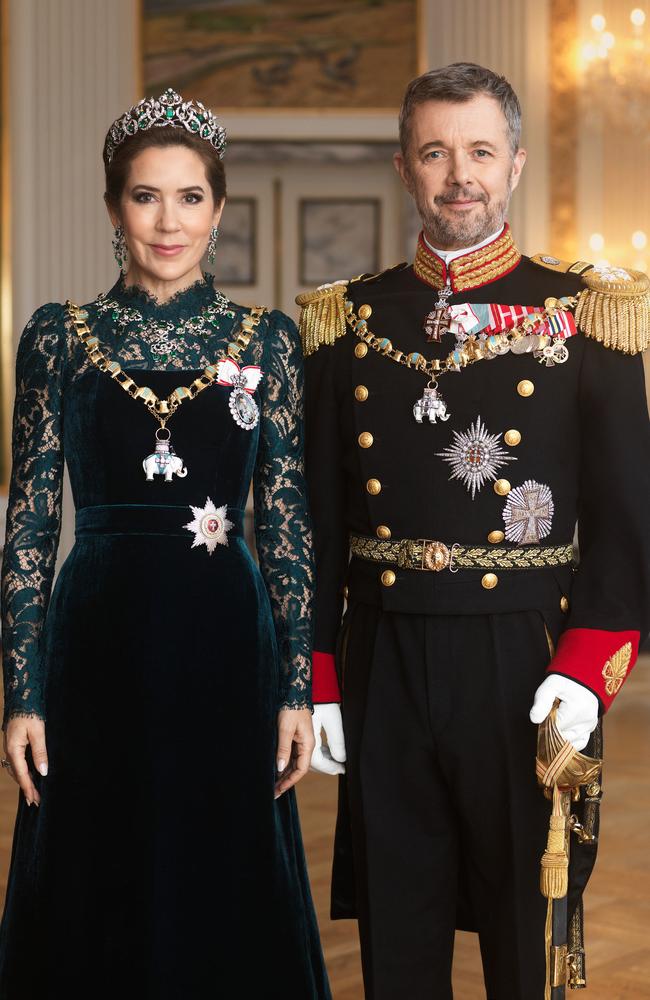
(473, 269)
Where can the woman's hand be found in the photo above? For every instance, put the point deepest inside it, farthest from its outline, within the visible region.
(19, 734)
(295, 747)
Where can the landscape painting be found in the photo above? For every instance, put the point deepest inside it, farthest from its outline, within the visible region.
(340, 55)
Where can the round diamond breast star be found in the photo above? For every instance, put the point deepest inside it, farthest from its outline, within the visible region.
(475, 456)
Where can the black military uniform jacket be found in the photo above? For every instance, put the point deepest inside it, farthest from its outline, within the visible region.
(566, 442)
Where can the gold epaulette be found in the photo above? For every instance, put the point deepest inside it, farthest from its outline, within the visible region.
(560, 266)
(614, 309)
(322, 316)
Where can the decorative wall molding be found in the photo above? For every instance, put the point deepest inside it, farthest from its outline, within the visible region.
(563, 123)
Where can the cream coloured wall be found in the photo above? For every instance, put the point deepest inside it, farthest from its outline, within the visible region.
(72, 71)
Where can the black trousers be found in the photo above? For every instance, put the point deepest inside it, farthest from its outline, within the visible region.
(448, 824)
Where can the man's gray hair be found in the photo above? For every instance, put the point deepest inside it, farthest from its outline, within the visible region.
(456, 84)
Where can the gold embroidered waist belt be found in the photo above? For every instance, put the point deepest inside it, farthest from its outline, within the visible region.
(434, 556)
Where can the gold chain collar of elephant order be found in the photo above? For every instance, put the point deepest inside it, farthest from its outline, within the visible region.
(161, 409)
(471, 351)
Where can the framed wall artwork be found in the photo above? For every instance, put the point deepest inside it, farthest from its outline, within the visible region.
(337, 236)
(236, 257)
(338, 56)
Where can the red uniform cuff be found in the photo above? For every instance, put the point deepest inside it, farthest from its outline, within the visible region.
(598, 659)
(324, 682)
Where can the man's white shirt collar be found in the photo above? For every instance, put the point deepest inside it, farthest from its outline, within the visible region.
(448, 255)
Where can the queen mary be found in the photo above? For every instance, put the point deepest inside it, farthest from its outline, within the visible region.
(158, 703)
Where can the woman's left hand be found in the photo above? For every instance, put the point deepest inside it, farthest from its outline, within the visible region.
(295, 747)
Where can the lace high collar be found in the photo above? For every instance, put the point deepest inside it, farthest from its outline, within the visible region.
(188, 302)
(471, 270)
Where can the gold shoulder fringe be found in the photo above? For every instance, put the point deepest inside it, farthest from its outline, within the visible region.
(322, 317)
(616, 313)
(560, 266)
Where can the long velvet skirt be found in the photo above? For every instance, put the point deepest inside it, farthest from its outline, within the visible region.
(159, 865)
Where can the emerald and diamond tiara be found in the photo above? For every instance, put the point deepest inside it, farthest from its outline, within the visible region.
(168, 109)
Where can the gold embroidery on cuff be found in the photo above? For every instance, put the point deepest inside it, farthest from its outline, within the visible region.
(616, 668)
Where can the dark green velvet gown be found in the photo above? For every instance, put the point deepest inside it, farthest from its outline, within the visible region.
(159, 864)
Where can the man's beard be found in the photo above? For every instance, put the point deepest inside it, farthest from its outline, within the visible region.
(466, 228)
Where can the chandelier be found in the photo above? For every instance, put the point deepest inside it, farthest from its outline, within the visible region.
(616, 73)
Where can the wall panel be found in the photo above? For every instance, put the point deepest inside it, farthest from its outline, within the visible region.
(72, 71)
(510, 37)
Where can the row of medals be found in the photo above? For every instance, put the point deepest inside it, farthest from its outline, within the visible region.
(543, 347)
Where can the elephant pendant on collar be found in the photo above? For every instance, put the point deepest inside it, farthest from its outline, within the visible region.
(431, 406)
(163, 461)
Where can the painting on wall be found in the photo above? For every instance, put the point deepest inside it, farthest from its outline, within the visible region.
(339, 55)
(236, 256)
(337, 237)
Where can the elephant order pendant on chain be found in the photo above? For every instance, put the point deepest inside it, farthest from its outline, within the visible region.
(431, 406)
(163, 461)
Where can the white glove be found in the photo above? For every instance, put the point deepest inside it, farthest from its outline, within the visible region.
(577, 716)
(328, 760)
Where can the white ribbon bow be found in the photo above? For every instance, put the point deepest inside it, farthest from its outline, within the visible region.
(247, 378)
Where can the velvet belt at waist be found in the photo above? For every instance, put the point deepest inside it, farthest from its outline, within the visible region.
(147, 519)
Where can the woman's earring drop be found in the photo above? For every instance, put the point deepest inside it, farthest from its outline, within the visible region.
(119, 248)
(212, 244)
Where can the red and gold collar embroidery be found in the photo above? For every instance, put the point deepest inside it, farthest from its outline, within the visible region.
(473, 269)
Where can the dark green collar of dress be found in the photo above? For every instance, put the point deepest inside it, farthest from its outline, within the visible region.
(190, 301)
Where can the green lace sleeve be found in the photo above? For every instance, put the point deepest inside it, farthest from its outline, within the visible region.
(282, 525)
(34, 509)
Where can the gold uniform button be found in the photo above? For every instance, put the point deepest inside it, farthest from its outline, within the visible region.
(495, 537)
(383, 531)
(345, 593)
(564, 604)
(512, 438)
(361, 350)
(366, 439)
(526, 387)
(502, 487)
(361, 393)
(489, 581)
(388, 578)
(374, 487)
(365, 311)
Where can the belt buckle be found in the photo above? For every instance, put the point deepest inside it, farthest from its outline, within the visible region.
(435, 555)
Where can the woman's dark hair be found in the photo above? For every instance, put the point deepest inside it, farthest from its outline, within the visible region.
(117, 171)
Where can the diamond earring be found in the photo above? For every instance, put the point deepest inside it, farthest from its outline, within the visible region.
(212, 244)
(119, 248)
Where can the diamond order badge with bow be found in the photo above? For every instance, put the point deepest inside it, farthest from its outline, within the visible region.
(475, 456)
(210, 525)
(244, 382)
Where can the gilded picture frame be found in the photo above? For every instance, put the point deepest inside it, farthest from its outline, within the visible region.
(277, 57)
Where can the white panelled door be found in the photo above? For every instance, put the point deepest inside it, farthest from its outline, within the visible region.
(290, 227)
